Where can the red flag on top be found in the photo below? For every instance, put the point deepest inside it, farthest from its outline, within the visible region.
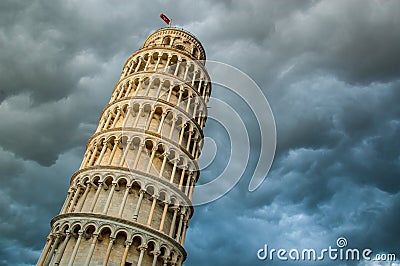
(165, 18)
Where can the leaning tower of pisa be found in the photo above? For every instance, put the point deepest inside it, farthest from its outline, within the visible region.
(130, 201)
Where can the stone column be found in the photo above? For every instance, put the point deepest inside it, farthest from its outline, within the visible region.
(93, 155)
(138, 65)
(135, 93)
(83, 198)
(164, 214)
(191, 189)
(153, 205)
(158, 62)
(167, 64)
(159, 89)
(126, 117)
(181, 91)
(139, 152)
(172, 128)
(200, 84)
(196, 105)
(189, 138)
(178, 232)
(138, 116)
(148, 62)
(142, 249)
(96, 196)
(121, 209)
(195, 141)
(85, 157)
(92, 246)
(186, 71)
(182, 133)
(153, 153)
(185, 225)
(108, 252)
(171, 87)
(67, 201)
(108, 120)
(131, 67)
(127, 245)
(45, 251)
(171, 180)
(182, 176)
(163, 115)
(177, 68)
(61, 250)
(188, 101)
(116, 118)
(155, 254)
(110, 195)
(75, 198)
(125, 153)
(160, 174)
(187, 185)
(121, 90)
(73, 255)
(129, 88)
(172, 229)
(114, 149)
(137, 209)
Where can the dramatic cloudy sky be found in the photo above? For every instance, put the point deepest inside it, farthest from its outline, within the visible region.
(331, 73)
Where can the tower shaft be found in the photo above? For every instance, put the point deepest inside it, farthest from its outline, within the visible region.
(130, 201)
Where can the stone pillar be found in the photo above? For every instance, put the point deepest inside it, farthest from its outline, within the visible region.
(137, 209)
(164, 214)
(121, 209)
(108, 252)
(129, 88)
(172, 229)
(125, 153)
(45, 251)
(61, 250)
(153, 153)
(93, 155)
(176, 160)
(163, 115)
(114, 149)
(73, 255)
(75, 198)
(67, 201)
(92, 246)
(160, 174)
(127, 245)
(138, 65)
(155, 254)
(153, 205)
(142, 249)
(172, 128)
(139, 152)
(178, 232)
(110, 195)
(116, 118)
(82, 200)
(96, 196)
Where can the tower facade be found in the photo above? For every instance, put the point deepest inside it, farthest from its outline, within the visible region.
(130, 201)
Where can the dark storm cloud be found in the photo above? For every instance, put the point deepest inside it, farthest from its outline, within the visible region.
(330, 70)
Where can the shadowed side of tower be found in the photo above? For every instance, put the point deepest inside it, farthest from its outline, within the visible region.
(130, 201)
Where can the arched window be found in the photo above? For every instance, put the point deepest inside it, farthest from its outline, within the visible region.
(167, 40)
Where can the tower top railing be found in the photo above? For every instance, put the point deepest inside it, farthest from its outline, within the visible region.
(168, 36)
